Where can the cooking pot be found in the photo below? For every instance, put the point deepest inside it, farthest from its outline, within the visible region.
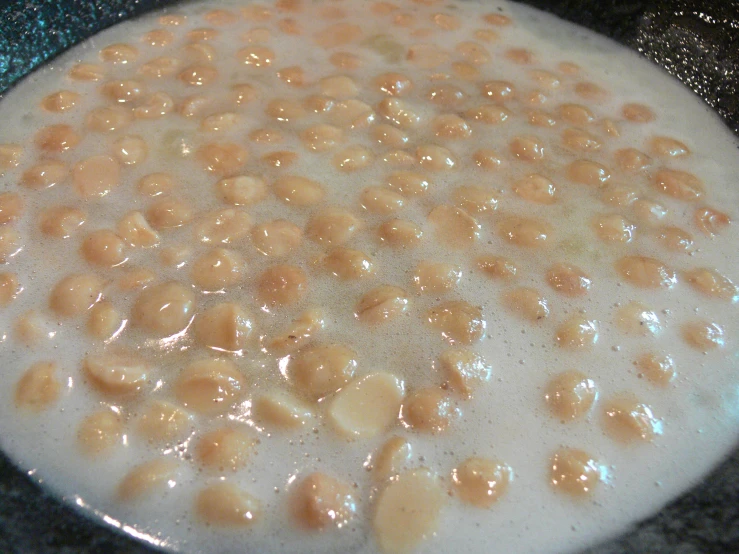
(695, 40)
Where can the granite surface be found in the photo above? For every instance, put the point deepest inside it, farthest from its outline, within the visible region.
(695, 40)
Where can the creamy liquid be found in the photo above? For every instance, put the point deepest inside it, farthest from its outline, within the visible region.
(507, 418)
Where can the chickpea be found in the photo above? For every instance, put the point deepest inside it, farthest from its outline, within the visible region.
(429, 410)
(527, 148)
(367, 406)
(222, 504)
(218, 269)
(614, 228)
(209, 386)
(104, 248)
(527, 303)
(99, 432)
(44, 174)
(678, 184)
(381, 304)
(61, 221)
(536, 188)
(351, 114)
(481, 482)
(75, 294)
(574, 472)
(10, 288)
(464, 370)
(322, 369)
(130, 149)
(320, 501)
(570, 395)
(658, 368)
(224, 327)
(496, 267)
(703, 335)
(163, 423)
(62, 100)
(140, 481)
(711, 221)
(346, 263)
(226, 448)
(458, 321)
(380, 200)
(587, 172)
(244, 190)
(108, 119)
(168, 213)
(407, 510)
(353, 158)
(298, 191)
(332, 227)
(626, 419)
(119, 54)
(322, 137)
(116, 374)
(164, 309)
(645, 272)
(282, 410)
(38, 388)
(222, 158)
(577, 332)
(96, 176)
(281, 285)
(276, 238)
(56, 138)
(675, 239)
(668, 147)
(525, 232)
(155, 184)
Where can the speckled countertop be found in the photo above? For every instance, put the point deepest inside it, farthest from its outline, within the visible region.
(698, 41)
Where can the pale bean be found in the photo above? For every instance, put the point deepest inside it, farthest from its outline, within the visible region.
(332, 227)
(103, 248)
(219, 122)
(536, 188)
(520, 56)
(631, 159)
(435, 158)
(87, 72)
(321, 137)
(281, 285)
(626, 419)
(458, 321)
(62, 100)
(658, 368)
(353, 158)
(527, 148)
(678, 184)
(480, 481)
(175, 256)
(648, 211)
(298, 191)
(11, 207)
(164, 309)
(301, 330)
(576, 114)
(346, 263)
(96, 176)
(587, 172)
(675, 239)
(209, 386)
(426, 56)
(380, 200)
(284, 110)
(224, 505)
(266, 136)
(703, 335)
(136, 231)
(75, 294)
(156, 68)
(645, 272)
(322, 369)
(711, 221)
(391, 458)
(108, 119)
(351, 114)
(614, 228)
(429, 410)
(136, 278)
(487, 159)
(38, 388)
(454, 226)
(711, 283)
(10, 288)
(104, 321)
(434, 278)
(450, 126)
(198, 75)
(496, 267)
(224, 327)
(163, 423)
(381, 304)
(568, 280)
(668, 147)
(56, 138)
(276, 238)
(464, 370)
(527, 303)
(283, 410)
(168, 213)
(446, 95)
(318, 103)
(155, 184)
(591, 91)
(99, 432)
(218, 269)
(320, 502)
(399, 112)
(524, 231)
(637, 113)
(570, 395)
(244, 190)
(498, 91)
(44, 174)
(223, 159)
(61, 221)
(224, 449)
(145, 477)
(577, 332)
(116, 373)
(619, 196)
(574, 472)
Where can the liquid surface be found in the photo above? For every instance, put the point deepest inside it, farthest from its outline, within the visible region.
(281, 276)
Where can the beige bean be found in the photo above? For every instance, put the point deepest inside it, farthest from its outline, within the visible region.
(198, 75)
(587, 172)
(223, 159)
(711, 283)
(475, 199)
(44, 174)
(658, 368)
(175, 256)
(164, 309)
(527, 303)
(222, 504)
(244, 190)
(298, 191)
(577, 332)
(458, 321)
(619, 196)
(11, 207)
(116, 373)
(194, 105)
(75, 294)
(276, 238)
(168, 213)
(281, 158)
(10, 288)
(99, 433)
(668, 147)
(62, 100)
(568, 279)
(96, 176)
(38, 388)
(637, 113)
(105, 322)
(427, 56)
(399, 233)
(570, 395)
(434, 278)
(703, 335)
(87, 72)
(162, 423)
(322, 369)
(108, 119)
(481, 481)
(435, 158)
(322, 137)
(351, 114)
(645, 272)
(626, 419)
(346, 263)
(381, 200)
(281, 285)
(498, 91)
(143, 479)
(631, 159)
(450, 126)
(130, 149)
(224, 449)
(266, 136)
(256, 57)
(136, 231)
(283, 410)
(119, 54)
(675, 239)
(285, 110)
(464, 370)
(576, 114)
(678, 184)
(104, 248)
(454, 226)
(61, 221)
(219, 122)
(613, 228)
(353, 158)
(524, 231)
(243, 94)
(11, 243)
(574, 472)
(399, 112)
(123, 91)
(293, 75)
(223, 327)
(636, 318)
(158, 38)
(218, 269)
(56, 138)
(381, 304)
(446, 95)
(536, 188)
(31, 328)
(711, 221)
(540, 118)
(591, 91)
(367, 406)
(209, 386)
(520, 56)
(320, 501)
(391, 458)
(136, 278)
(429, 410)
(156, 68)
(648, 211)
(332, 227)
(496, 267)
(579, 139)
(527, 148)
(407, 510)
